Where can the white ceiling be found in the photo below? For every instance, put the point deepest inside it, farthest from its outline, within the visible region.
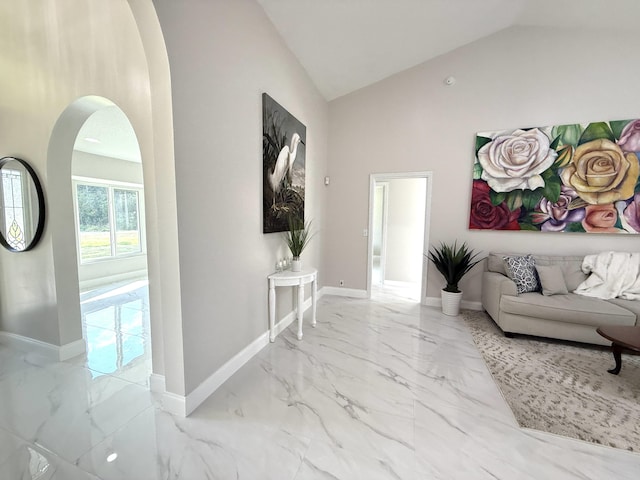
(345, 45)
(109, 133)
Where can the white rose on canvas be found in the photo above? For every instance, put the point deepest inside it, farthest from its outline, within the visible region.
(515, 161)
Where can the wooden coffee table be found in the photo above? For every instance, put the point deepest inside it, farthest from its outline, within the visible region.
(621, 337)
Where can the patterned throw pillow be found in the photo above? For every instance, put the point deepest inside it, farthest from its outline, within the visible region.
(522, 270)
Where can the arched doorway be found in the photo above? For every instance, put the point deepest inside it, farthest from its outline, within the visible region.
(108, 193)
(73, 128)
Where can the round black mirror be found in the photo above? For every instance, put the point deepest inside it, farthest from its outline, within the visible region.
(21, 207)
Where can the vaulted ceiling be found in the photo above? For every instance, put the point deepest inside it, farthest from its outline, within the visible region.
(345, 45)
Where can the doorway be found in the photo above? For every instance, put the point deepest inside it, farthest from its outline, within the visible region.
(399, 209)
(108, 198)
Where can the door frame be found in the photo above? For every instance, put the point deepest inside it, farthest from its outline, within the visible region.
(385, 215)
(382, 177)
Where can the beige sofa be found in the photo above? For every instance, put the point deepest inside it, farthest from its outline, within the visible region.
(567, 317)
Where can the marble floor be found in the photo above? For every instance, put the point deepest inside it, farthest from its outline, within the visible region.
(380, 389)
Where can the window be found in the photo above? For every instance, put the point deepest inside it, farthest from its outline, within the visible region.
(108, 221)
(15, 207)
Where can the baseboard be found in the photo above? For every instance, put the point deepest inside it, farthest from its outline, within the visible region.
(437, 302)
(185, 405)
(157, 383)
(53, 352)
(70, 350)
(174, 404)
(344, 292)
(118, 277)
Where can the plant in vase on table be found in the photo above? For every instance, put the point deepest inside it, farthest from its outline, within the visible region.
(453, 263)
(298, 237)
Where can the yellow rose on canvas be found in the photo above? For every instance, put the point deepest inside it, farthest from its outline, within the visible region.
(600, 172)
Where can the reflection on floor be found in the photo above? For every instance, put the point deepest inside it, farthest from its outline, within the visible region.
(115, 326)
(378, 390)
(382, 290)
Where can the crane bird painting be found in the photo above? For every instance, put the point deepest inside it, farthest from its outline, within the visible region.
(283, 158)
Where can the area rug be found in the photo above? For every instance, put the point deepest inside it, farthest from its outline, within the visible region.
(562, 387)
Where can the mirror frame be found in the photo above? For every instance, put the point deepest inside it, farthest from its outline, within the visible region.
(41, 207)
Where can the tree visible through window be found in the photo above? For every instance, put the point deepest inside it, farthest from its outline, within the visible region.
(108, 219)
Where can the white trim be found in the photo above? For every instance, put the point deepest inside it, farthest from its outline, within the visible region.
(118, 277)
(104, 181)
(437, 302)
(157, 383)
(344, 292)
(185, 405)
(211, 384)
(174, 404)
(52, 352)
(70, 350)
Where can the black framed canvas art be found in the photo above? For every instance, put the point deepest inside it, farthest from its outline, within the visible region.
(283, 160)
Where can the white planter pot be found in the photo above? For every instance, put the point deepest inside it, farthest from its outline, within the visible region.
(296, 265)
(451, 303)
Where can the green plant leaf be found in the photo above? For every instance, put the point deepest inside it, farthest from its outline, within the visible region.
(575, 227)
(552, 189)
(617, 126)
(298, 236)
(477, 171)
(596, 131)
(453, 262)
(528, 226)
(619, 223)
(497, 198)
(514, 200)
(530, 198)
(548, 174)
(555, 143)
(569, 134)
(481, 142)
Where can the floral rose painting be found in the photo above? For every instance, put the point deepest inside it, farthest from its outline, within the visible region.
(563, 178)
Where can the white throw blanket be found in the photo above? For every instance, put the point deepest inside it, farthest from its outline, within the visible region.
(613, 274)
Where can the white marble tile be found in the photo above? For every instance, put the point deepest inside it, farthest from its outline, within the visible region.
(26, 461)
(379, 390)
(157, 445)
(117, 354)
(324, 461)
(64, 409)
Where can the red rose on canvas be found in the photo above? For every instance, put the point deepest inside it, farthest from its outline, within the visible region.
(485, 215)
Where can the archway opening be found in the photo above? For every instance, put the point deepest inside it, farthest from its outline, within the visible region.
(99, 243)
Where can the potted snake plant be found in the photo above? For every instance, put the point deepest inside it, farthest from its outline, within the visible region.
(453, 263)
(297, 237)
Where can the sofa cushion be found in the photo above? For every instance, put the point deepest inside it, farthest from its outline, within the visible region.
(495, 262)
(631, 305)
(522, 270)
(569, 308)
(551, 280)
(571, 266)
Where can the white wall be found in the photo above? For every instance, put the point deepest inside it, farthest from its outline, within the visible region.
(412, 121)
(44, 73)
(223, 55)
(64, 58)
(405, 232)
(90, 165)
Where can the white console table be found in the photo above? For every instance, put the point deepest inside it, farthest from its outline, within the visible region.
(292, 279)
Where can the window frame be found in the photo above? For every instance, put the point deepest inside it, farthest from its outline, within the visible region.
(110, 185)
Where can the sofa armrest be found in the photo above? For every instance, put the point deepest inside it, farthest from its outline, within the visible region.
(494, 285)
